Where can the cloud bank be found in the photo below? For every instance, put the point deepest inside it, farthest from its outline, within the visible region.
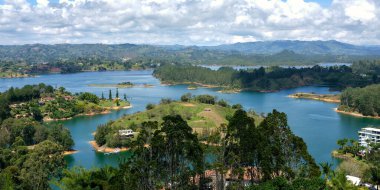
(187, 22)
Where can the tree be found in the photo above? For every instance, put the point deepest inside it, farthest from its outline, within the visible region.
(186, 97)
(281, 152)
(117, 93)
(149, 106)
(373, 175)
(100, 135)
(36, 113)
(103, 96)
(61, 136)
(110, 95)
(86, 96)
(178, 147)
(241, 145)
(125, 97)
(342, 143)
(43, 163)
(326, 170)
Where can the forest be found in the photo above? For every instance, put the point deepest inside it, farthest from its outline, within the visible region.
(31, 152)
(168, 155)
(269, 78)
(21, 61)
(362, 100)
(43, 102)
(245, 154)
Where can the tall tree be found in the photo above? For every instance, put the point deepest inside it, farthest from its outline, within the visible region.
(110, 95)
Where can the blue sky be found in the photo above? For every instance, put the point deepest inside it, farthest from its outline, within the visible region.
(188, 22)
(324, 3)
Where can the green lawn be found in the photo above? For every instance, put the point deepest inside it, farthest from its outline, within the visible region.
(199, 116)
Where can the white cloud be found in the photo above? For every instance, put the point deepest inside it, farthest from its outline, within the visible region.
(202, 22)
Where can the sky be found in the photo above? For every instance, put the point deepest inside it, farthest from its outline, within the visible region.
(188, 22)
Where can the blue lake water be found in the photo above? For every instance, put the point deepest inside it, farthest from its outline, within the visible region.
(316, 122)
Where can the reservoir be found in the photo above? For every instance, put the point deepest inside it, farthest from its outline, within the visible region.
(316, 122)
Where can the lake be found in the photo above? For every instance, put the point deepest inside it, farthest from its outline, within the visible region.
(316, 122)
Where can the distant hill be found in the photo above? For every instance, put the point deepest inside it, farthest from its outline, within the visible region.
(301, 47)
(251, 53)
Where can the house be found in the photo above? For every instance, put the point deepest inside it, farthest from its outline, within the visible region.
(126, 133)
(369, 135)
(354, 180)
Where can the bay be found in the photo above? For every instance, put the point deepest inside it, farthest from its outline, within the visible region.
(316, 122)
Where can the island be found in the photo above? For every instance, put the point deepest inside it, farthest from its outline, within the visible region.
(49, 104)
(263, 79)
(122, 85)
(334, 98)
(358, 102)
(203, 113)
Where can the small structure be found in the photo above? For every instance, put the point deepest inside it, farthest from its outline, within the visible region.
(369, 135)
(354, 180)
(126, 133)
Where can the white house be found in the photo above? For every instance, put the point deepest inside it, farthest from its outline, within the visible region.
(126, 133)
(369, 134)
(354, 180)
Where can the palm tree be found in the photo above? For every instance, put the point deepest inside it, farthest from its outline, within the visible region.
(326, 169)
(342, 143)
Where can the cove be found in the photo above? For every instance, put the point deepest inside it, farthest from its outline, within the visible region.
(316, 122)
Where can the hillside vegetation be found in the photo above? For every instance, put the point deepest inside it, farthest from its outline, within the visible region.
(202, 113)
(21, 60)
(365, 101)
(265, 79)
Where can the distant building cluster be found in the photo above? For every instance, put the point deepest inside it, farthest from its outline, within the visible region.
(369, 135)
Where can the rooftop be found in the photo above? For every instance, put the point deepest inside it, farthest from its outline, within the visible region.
(371, 129)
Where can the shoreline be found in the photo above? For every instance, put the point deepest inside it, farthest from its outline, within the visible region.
(105, 149)
(70, 152)
(120, 86)
(355, 114)
(106, 111)
(317, 97)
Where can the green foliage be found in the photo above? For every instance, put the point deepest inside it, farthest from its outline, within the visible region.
(86, 96)
(61, 136)
(281, 183)
(363, 100)
(204, 118)
(270, 79)
(206, 99)
(186, 97)
(166, 101)
(110, 95)
(26, 93)
(149, 106)
(223, 103)
(367, 67)
(32, 132)
(173, 156)
(22, 168)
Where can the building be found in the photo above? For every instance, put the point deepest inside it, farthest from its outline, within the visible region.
(126, 133)
(369, 135)
(354, 180)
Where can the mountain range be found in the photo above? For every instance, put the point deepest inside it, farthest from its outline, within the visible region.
(263, 52)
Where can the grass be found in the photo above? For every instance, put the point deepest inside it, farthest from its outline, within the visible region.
(321, 97)
(111, 103)
(201, 117)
